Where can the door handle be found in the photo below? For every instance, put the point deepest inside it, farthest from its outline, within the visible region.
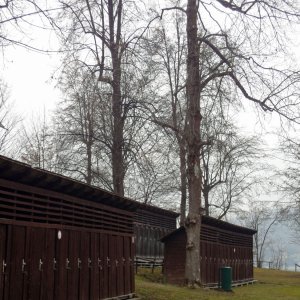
(54, 264)
(99, 264)
(79, 263)
(68, 264)
(89, 263)
(41, 265)
(4, 265)
(23, 266)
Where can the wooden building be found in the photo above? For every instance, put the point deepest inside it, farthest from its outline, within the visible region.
(61, 239)
(150, 225)
(222, 244)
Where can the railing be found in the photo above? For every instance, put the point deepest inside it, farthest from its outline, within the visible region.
(146, 262)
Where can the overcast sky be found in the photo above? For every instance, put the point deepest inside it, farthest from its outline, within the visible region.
(28, 75)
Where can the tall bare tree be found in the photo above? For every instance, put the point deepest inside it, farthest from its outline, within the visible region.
(80, 123)
(105, 32)
(239, 51)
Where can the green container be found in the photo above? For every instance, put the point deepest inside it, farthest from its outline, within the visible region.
(226, 278)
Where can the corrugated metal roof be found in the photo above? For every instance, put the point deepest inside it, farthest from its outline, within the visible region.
(23, 173)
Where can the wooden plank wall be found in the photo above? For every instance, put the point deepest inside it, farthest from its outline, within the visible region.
(149, 228)
(36, 265)
(219, 248)
(29, 204)
(148, 241)
(57, 247)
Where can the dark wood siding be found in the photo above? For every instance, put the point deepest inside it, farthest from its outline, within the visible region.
(149, 228)
(219, 248)
(28, 204)
(58, 247)
(161, 219)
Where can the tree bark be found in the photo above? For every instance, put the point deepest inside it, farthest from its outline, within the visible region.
(89, 145)
(118, 171)
(193, 220)
(206, 203)
(183, 183)
(118, 128)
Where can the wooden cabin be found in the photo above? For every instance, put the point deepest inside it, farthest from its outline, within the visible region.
(62, 239)
(222, 244)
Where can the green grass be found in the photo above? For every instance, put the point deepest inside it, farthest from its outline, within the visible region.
(272, 285)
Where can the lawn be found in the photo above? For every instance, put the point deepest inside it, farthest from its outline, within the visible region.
(272, 285)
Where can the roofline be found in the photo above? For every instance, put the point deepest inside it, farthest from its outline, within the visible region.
(206, 220)
(23, 173)
(153, 208)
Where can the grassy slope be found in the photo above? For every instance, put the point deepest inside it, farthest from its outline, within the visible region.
(273, 285)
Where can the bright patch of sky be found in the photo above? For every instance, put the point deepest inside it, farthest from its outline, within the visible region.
(29, 77)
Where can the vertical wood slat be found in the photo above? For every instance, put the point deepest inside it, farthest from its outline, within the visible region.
(8, 262)
(61, 272)
(119, 265)
(35, 262)
(106, 265)
(127, 265)
(132, 255)
(94, 268)
(84, 270)
(17, 255)
(101, 265)
(112, 268)
(2, 258)
(47, 284)
(73, 271)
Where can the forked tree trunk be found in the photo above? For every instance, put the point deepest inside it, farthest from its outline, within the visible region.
(193, 220)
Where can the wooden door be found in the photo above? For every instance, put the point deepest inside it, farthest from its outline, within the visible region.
(34, 256)
(17, 266)
(61, 257)
(3, 262)
(49, 265)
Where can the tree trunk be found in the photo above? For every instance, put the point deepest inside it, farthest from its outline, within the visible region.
(206, 204)
(89, 143)
(89, 163)
(193, 220)
(117, 145)
(183, 183)
(118, 171)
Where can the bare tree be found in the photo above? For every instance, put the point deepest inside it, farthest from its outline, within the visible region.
(278, 256)
(80, 121)
(105, 32)
(167, 52)
(36, 144)
(288, 180)
(243, 64)
(9, 121)
(229, 164)
(262, 218)
(18, 18)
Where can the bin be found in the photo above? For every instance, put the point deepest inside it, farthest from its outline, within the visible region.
(225, 278)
